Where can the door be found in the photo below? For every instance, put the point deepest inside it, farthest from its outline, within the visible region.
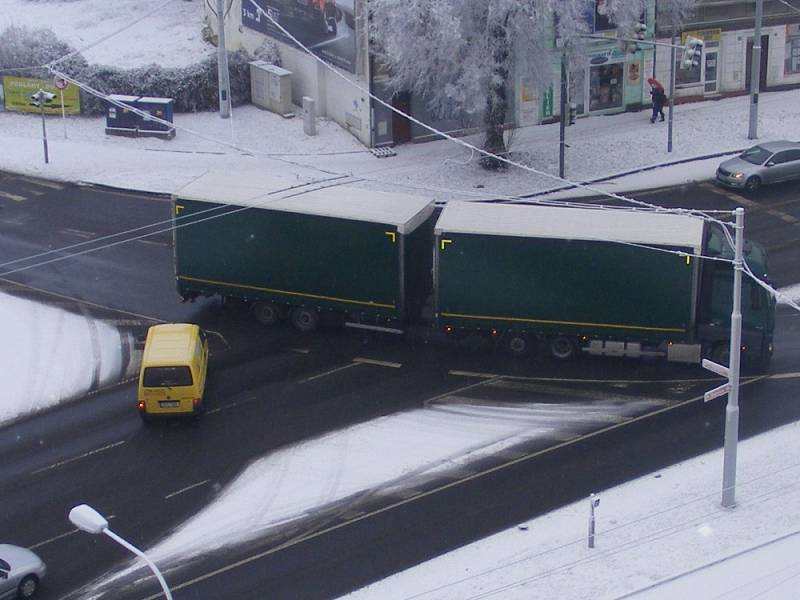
(762, 81)
(710, 72)
(401, 126)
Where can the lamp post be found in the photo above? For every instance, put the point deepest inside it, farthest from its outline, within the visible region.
(87, 519)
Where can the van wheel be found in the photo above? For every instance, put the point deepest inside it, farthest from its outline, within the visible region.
(305, 319)
(266, 313)
(563, 348)
(518, 345)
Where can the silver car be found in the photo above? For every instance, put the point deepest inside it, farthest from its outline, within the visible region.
(21, 571)
(769, 162)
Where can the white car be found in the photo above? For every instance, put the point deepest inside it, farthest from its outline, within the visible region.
(769, 162)
(21, 571)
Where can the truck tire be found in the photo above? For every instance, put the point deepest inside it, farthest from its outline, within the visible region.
(266, 313)
(563, 348)
(304, 319)
(518, 344)
(721, 353)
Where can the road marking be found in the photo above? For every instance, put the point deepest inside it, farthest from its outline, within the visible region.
(379, 363)
(13, 197)
(787, 218)
(784, 376)
(82, 234)
(48, 184)
(74, 458)
(62, 535)
(356, 361)
(576, 380)
(453, 484)
(151, 242)
(186, 489)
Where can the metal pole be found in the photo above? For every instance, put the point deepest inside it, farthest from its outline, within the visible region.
(139, 553)
(44, 129)
(593, 502)
(755, 75)
(63, 113)
(222, 65)
(563, 123)
(671, 86)
(732, 409)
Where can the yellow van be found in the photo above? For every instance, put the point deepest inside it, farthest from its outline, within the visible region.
(173, 374)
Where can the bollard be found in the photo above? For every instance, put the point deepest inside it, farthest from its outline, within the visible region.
(593, 503)
(309, 116)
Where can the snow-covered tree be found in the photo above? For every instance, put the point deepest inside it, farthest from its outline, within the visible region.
(457, 53)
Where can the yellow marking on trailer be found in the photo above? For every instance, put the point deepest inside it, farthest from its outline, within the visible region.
(551, 322)
(289, 293)
(392, 235)
(179, 208)
(444, 242)
(688, 260)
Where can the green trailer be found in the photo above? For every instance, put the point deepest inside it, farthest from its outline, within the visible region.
(299, 250)
(604, 281)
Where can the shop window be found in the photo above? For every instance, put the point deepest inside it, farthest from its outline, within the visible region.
(792, 62)
(605, 88)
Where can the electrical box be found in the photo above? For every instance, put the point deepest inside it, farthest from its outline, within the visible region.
(271, 87)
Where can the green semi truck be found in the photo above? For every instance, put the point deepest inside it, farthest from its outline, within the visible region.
(299, 251)
(606, 282)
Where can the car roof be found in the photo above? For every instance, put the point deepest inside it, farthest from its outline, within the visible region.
(779, 145)
(170, 344)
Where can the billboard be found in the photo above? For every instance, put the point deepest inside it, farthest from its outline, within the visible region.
(326, 27)
(18, 90)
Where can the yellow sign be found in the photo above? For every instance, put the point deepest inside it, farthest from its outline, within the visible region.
(18, 92)
(707, 35)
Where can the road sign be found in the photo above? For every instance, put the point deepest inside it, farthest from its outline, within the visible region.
(60, 83)
(716, 368)
(717, 392)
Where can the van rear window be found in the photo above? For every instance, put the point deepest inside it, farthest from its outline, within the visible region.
(167, 376)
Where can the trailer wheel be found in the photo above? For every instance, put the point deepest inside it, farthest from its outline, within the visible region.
(721, 353)
(305, 319)
(266, 313)
(517, 345)
(562, 348)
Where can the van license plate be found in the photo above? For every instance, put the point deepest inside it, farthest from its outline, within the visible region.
(168, 404)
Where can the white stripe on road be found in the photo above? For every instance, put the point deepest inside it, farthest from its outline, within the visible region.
(63, 535)
(13, 197)
(186, 489)
(356, 361)
(74, 458)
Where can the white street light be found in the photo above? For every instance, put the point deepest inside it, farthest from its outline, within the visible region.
(87, 519)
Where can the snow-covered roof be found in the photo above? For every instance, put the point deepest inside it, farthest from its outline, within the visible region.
(404, 211)
(602, 224)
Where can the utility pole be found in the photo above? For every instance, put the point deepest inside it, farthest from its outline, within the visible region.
(671, 84)
(222, 65)
(731, 372)
(39, 99)
(755, 75)
(563, 121)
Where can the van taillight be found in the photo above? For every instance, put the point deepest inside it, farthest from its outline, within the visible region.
(141, 405)
(195, 401)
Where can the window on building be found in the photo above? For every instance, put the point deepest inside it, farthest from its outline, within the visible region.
(605, 87)
(792, 62)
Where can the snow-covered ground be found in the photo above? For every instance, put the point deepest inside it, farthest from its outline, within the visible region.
(647, 530)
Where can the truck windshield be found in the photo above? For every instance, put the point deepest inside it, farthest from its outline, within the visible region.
(756, 155)
(167, 376)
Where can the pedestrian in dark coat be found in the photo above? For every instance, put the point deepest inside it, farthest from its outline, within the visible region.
(659, 99)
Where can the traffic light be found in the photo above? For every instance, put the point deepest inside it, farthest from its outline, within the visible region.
(573, 113)
(640, 31)
(692, 53)
(41, 98)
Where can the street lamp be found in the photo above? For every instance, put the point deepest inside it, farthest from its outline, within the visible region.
(87, 519)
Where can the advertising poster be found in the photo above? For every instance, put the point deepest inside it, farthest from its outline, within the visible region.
(326, 27)
(18, 90)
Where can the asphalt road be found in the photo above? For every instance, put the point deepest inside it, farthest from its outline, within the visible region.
(263, 397)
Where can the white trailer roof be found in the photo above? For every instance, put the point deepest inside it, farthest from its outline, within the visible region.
(617, 225)
(405, 211)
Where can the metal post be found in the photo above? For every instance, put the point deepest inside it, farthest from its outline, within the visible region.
(44, 129)
(732, 408)
(222, 65)
(563, 123)
(593, 503)
(671, 86)
(755, 75)
(63, 113)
